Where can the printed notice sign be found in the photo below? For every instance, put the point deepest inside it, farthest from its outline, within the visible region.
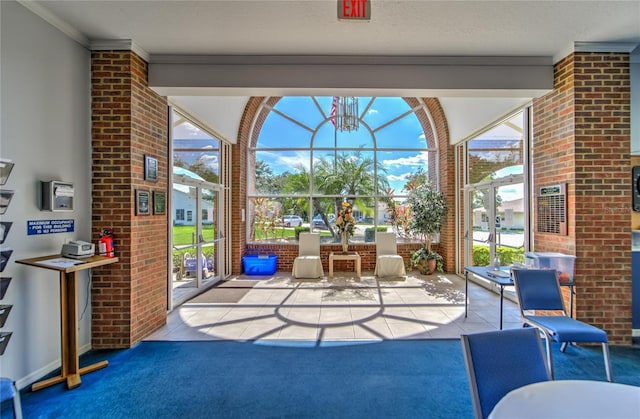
(35, 227)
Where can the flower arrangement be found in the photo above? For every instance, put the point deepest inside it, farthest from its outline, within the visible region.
(345, 223)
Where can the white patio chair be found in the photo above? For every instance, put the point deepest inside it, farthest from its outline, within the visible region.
(308, 263)
(388, 261)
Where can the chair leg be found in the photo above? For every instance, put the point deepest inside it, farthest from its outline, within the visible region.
(17, 406)
(547, 340)
(607, 361)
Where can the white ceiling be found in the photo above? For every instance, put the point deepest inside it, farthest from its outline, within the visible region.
(310, 27)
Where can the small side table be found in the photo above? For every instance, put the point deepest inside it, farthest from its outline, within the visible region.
(344, 256)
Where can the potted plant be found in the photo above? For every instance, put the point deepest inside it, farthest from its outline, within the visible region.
(429, 209)
(427, 261)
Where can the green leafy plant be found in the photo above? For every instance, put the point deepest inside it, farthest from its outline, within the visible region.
(428, 211)
(423, 255)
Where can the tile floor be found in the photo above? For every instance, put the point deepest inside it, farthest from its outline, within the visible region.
(343, 308)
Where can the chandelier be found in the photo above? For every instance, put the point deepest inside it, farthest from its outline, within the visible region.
(346, 113)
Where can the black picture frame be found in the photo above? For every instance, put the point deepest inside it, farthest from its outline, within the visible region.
(159, 203)
(150, 168)
(143, 202)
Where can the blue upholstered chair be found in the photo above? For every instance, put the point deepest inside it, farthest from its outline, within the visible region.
(500, 361)
(538, 291)
(8, 391)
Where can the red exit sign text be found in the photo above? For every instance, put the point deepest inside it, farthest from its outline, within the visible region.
(354, 9)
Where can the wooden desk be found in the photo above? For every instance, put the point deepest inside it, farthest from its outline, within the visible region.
(344, 256)
(70, 369)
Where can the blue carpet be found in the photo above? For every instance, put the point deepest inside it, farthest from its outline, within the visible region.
(224, 379)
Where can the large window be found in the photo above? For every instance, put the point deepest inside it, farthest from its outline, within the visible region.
(305, 167)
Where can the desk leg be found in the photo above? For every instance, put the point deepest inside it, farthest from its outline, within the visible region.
(466, 292)
(70, 370)
(330, 267)
(358, 267)
(571, 301)
(72, 357)
(501, 303)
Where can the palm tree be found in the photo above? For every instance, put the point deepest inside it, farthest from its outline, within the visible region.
(349, 175)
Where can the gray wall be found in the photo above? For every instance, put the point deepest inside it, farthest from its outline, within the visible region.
(45, 131)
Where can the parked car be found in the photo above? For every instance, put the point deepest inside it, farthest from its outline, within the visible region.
(318, 222)
(291, 221)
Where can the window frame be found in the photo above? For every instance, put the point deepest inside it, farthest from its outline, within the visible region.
(429, 150)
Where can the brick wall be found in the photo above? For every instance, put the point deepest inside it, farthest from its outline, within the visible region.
(286, 252)
(582, 137)
(129, 298)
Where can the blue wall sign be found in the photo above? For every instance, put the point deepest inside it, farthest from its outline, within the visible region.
(49, 226)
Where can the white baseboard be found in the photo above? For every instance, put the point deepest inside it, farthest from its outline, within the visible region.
(47, 369)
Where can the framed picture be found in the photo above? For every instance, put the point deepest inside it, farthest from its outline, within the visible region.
(150, 168)
(143, 202)
(159, 202)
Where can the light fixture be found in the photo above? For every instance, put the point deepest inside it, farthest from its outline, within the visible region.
(347, 117)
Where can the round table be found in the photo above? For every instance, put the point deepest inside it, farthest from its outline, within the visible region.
(570, 399)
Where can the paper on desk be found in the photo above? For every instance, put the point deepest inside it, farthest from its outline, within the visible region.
(61, 262)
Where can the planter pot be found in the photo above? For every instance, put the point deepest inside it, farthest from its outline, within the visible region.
(427, 267)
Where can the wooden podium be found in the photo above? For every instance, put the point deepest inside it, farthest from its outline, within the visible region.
(70, 368)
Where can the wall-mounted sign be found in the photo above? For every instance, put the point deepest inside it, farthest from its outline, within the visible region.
(35, 227)
(354, 10)
(550, 190)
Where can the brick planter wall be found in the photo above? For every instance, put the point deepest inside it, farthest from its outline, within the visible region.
(288, 252)
(129, 298)
(582, 137)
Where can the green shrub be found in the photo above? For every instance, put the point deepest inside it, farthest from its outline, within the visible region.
(370, 233)
(506, 255)
(301, 229)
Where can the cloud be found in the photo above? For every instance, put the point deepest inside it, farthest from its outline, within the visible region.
(397, 178)
(418, 160)
(280, 162)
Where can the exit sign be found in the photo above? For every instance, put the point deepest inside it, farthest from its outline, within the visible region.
(354, 9)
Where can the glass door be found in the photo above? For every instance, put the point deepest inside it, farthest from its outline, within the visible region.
(211, 240)
(479, 235)
(495, 220)
(197, 242)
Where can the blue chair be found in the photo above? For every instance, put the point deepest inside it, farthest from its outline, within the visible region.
(500, 361)
(538, 291)
(8, 390)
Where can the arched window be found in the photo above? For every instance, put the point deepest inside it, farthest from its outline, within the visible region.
(303, 166)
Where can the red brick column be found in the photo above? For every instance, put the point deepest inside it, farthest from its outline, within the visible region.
(582, 137)
(129, 121)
